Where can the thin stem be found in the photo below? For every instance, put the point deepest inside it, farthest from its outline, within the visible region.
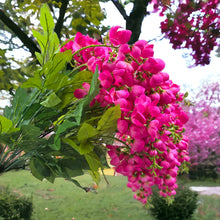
(91, 46)
(73, 72)
(106, 180)
(117, 139)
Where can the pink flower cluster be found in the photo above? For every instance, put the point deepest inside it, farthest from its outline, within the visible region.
(150, 130)
(195, 25)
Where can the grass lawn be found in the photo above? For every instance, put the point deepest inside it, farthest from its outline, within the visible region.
(62, 200)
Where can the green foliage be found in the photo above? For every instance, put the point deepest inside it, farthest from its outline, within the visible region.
(13, 206)
(184, 204)
(84, 16)
(204, 171)
(10, 159)
(108, 122)
(58, 134)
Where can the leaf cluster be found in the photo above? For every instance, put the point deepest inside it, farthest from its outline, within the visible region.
(59, 135)
(83, 16)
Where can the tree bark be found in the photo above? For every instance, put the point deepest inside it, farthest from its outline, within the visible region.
(135, 19)
(60, 20)
(28, 42)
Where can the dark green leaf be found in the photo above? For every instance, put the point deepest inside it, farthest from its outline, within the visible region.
(20, 105)
(30, 138)
(57, 143)
(72, 167)
(72, 143)
(64, 126)
(94, 88)
(108, 122)
(9, 138)
(39, 169)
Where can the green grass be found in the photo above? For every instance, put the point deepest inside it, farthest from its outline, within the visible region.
(62, 200)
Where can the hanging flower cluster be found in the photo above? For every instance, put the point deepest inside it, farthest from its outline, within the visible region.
(151, 145)
(195, 25)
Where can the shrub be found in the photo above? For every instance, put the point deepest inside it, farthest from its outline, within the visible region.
(183, 206)
(13, 206)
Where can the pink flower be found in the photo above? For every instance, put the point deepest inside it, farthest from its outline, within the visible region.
(67, 46)
(137, 91)
(148, 51)
(122, 126)
(154, 65)
(170, 181)
(135, 52)
(138, 146)
(80, 93)
(156, 80)
(152, 129)
(124, 104)
(138, 119)
(119, 37)
(106, 79)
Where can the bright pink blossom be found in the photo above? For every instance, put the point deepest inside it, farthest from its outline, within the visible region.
(151, 145)
(119, 37)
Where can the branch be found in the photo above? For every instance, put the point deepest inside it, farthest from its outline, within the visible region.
(135, 19)
(28, 42)
(120, 8)
(60, 20)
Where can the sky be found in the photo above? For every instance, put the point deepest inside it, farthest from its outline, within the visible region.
(176, 65)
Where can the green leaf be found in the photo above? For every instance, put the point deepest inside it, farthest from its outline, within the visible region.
(39, 57)
(108, 121)
(39, 169)
(29, 139)
(51, 101)
(72, 167)
(54, 43)
(10, 138)
(67, 97)
(42, 41)
(59, 61)
(95, 176)
(57, 143)
(20, 104)
(72, 143)
(86, 131)
(94, 164)
(61, 128)
(94, 88)
(78, 111)
(51, 178)
(5, 124)
(46, 19)
(81, 77)
(85, 147)
(33, 81)
(64, 126)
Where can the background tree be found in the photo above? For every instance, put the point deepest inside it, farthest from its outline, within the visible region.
(203, 131)
(18, 18)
